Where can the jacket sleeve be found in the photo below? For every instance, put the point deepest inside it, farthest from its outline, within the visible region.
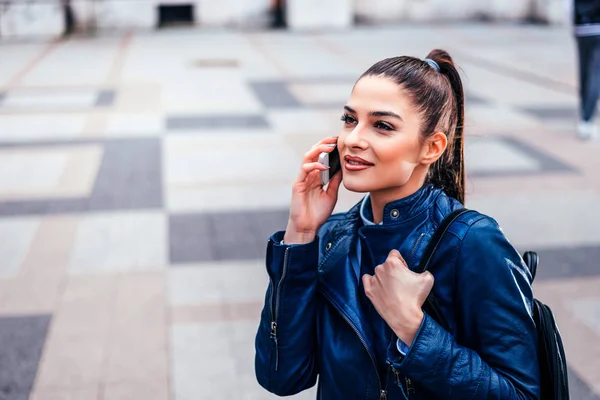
(493, 312)
(286, 338)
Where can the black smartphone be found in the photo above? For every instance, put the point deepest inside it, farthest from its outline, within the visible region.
(332, 160)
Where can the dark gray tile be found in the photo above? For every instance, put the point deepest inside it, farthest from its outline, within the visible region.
(568, 262)
(275, 94)
(578, 390)
(223, 236)
(329, 105)
(44, 207)
(548, 163)
(472, 99)
(190, 238)
(129, 177)
(22, 341)
(546, 113)
(175, 123)
(105, 98)
(48, 143)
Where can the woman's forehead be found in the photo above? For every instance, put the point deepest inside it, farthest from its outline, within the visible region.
(373, 93)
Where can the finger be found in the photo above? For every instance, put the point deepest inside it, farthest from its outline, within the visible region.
(330, 139)
(310, 167)
(368, 285)
(313, 154)
(395, 255)
(428, 280)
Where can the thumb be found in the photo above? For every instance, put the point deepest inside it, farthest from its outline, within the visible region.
(334, 184)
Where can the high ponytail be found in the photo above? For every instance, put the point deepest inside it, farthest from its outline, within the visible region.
(435, 88)
(448, 173)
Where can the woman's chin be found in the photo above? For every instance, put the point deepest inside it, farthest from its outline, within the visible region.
(356, 185)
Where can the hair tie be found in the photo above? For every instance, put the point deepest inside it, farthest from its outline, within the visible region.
(432, 64)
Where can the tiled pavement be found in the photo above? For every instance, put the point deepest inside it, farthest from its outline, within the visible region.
(143, 173)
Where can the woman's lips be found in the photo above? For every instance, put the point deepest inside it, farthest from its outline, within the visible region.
(356, 167)
(356, 163)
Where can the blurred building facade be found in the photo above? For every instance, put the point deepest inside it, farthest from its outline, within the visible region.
(23, 18)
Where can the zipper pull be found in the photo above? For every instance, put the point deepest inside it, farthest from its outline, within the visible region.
(383, 395)
(274, 330)
(274, 338)
(409, 386)
(397, 375)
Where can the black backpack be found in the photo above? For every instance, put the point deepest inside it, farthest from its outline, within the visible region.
(551, 354)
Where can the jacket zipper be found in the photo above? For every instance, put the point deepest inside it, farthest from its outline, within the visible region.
(275, 308)
(409, 386)
(382, 392)
(412, 251)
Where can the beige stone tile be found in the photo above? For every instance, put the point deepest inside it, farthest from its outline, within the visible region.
(135, 124)
(203, 312)
(138, 335)
(143, 97)
(49, 251)
(40, 126)
(306, 121)
(149, 389)
(75, 351)
(90, 393)
(244, 310)
(212, 282)
(325, 93)
(120, 241)
(184, 168)
(31, 295)
(96, 123)
(55, 172)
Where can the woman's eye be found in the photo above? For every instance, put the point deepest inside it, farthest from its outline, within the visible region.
(348, 120)
(383, 125)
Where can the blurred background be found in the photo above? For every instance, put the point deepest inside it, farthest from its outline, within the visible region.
(147, 148)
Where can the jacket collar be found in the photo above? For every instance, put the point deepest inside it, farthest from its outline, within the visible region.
(399, 210)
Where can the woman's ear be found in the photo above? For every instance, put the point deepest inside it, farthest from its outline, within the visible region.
(433, 148)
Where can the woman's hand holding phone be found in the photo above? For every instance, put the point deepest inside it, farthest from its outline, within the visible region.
(311, 203)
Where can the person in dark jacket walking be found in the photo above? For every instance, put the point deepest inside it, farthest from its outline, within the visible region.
(344, 304)
(586, 18)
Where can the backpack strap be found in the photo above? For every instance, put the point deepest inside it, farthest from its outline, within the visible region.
(431, 305)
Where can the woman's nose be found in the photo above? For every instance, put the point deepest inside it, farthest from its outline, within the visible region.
(355, 138)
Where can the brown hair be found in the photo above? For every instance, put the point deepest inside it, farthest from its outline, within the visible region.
(439, 98)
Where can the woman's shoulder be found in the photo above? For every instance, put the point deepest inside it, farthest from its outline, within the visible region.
(474, 224)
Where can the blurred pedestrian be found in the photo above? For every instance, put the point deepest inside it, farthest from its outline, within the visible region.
(277, 12)
(586, 16)
(69, 17)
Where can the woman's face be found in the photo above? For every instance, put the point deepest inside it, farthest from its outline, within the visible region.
(379, 144)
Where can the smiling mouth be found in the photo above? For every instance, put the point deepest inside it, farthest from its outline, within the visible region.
(357, 161)
(352, 162)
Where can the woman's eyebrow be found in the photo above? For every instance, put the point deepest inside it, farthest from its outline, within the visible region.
(376, 113)
(385, 114)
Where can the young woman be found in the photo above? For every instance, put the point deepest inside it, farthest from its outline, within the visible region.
(344, 304)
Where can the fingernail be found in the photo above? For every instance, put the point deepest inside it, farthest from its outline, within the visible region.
(331, 145)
